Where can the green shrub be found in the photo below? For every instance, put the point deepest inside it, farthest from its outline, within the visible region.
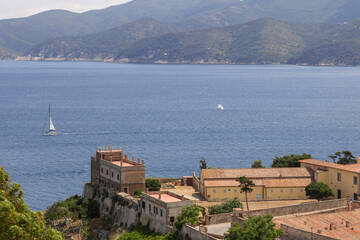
(152, 184)
(225, 207)
(137, 193)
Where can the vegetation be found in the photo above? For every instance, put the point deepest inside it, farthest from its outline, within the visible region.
(344, 157)
(152, 184)
(189, 214)
(246, 185)
(255, 228)
(137, 193)
(261, 41)
(257, 164)
(17, 221)
(225, 207)
(144, 233)
(203, 164)
(73, 207)
(289, 160)
(318, 190)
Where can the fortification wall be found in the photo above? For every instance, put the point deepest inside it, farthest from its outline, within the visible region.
(120, 206)
(298, 234)
(301, 208)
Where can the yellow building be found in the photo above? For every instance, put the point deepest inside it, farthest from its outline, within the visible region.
(342, 179)
(270, 183)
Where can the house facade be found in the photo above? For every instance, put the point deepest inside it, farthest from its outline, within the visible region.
(270, 183)
(342, 179)
(160, 209)
(114, 170)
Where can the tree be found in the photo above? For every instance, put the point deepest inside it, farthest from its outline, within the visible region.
(318, 190)
(344, 157)
(203, 164)
(257, 164)
(152, 184)
(225, 207)
(17, 221)
(189, 214)
(255, 228)
(246, 185)
(289, 160)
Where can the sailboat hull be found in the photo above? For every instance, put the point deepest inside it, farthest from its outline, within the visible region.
(51, 133)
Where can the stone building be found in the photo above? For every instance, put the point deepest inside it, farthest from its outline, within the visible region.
(270, 183)
(114, 170)
(342, 179)
(160, 209)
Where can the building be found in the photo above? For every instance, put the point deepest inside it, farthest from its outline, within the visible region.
(160, 209)
(113, 169)
(342, 179)
(270, 183)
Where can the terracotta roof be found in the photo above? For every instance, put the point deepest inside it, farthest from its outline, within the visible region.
(289, 182)
(322, 222)
(229, 183)
(351, 167)
(166, 197)
(254, 173)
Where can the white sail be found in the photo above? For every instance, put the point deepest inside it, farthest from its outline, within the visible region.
(52, 128)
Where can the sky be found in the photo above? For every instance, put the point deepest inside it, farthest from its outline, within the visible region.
(25, 8)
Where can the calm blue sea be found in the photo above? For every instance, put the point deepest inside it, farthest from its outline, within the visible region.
(168, 116)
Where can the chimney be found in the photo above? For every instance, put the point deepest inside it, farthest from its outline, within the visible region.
(138, 160)
(159, 195)
(347, 223)
(182, 198)
(133, 158)
(126, 157)
(142, 162)
(331, 226)
(110, 158)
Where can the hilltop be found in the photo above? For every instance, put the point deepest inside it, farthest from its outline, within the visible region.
(21, 34)
(263, 41)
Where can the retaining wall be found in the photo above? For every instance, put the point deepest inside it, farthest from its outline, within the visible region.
(298, 234)
(301, 208)
(218, 218)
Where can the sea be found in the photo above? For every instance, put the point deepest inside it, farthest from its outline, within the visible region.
(167, 115)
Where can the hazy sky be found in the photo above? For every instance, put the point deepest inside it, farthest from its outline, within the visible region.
(24, 8)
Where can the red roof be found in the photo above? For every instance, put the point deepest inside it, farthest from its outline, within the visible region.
(350, 167)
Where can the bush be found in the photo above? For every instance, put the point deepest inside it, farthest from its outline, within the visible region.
(137, 193)
(225, 207)
(152, 184)
(73, 207)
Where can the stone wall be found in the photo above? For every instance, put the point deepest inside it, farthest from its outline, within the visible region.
(123, 208)
(196, 183)
(292, 233)
(218, 218)
(301, 208)
(194, 234)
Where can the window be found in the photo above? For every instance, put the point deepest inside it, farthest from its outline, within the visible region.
(301, 190)
(161, 212)
(355, 180)
(339, 177)
(125, 190)
(107, 172)
(102, 170)
(118, 177)
(281, 190)
(214, 191)
(271, 190)
(235, 190)
(355, 196)
(112, 174)
(154, 209)
(149, 207)
(143, 205)
(291, 190)
(224, 190)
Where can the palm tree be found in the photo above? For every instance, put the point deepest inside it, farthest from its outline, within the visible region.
(246, 185)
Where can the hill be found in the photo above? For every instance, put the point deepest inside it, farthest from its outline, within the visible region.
(21, 34)
(264, 41)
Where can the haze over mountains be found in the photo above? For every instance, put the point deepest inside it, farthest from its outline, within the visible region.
(192, 31)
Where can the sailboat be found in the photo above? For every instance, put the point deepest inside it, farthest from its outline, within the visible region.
(52, 131)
